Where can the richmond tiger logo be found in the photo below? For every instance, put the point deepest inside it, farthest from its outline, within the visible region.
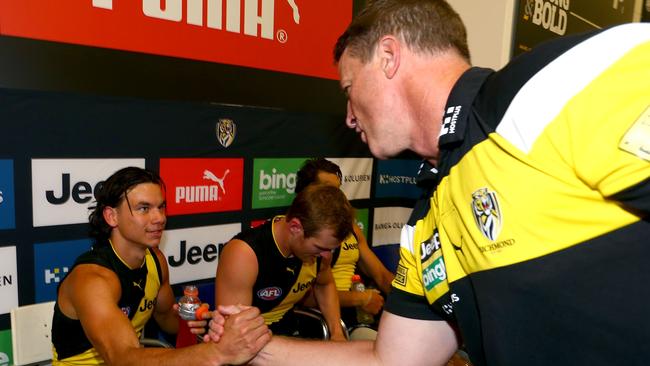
(226, 131)
(487, 214)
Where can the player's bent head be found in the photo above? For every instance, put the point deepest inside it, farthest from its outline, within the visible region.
(321, 206)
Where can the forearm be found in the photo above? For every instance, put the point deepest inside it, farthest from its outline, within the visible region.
(290, 352)
(385, 283)
(167, 321)
(353, 298)
(328, 303)
(204, 354)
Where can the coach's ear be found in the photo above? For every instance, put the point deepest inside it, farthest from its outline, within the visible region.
(388, 49)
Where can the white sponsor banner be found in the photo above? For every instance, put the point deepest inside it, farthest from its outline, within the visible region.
(63, 189)
(387, 224)
(192, 254)
(357, 176)
(8, 279)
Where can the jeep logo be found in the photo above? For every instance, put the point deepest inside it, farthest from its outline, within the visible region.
(193, 254)
(428, 247)
(300, 287)
(147, 304)
(81, 192)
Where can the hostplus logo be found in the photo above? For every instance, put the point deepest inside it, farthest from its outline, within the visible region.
(396, 179)
(216, 17)
(54, 275)
(450, 120)
(52, 261)
(203, 193)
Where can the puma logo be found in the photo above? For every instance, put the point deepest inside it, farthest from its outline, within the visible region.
(208, 175)
(296, 11)
(138, 284)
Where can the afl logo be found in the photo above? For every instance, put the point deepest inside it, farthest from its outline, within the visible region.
(126, 311)
(269, 293)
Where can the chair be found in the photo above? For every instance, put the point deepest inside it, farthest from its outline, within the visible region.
(31, 333)
(312, 324)
(362, 332)
(154, 343)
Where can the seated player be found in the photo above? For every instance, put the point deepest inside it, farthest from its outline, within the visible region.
(274, 265)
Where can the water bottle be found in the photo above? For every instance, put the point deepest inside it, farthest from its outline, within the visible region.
(189, 308)
(362, 316)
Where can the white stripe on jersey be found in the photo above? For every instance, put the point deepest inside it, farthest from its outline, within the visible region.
(542, 98)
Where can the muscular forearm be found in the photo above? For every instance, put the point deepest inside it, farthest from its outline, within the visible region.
(199, 355)
(328, 303)
(353, 298)
(289, 352)
(167, 321)
(385, 283)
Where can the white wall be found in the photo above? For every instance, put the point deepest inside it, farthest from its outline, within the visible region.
(490, 26)
(489, 29)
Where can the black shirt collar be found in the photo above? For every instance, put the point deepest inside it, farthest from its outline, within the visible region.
(459, 105)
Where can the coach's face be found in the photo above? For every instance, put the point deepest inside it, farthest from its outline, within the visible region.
(373, 107)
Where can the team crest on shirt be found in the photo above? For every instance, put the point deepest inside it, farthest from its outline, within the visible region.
(487, 214)
(637, 139)
(226, 131)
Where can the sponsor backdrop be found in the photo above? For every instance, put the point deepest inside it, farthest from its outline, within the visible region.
(274, 181)
(51, 263)
(224, 166)
(539, 20)
(386, 229)
(7, 217)
(6, 355)
(395, 178)
(63, 189)
(284, 31)
(192, 253)
(8, 279)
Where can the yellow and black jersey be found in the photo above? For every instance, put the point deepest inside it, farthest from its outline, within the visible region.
(344, 262)
(281, 282)
(535, 240)
(139, 289)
